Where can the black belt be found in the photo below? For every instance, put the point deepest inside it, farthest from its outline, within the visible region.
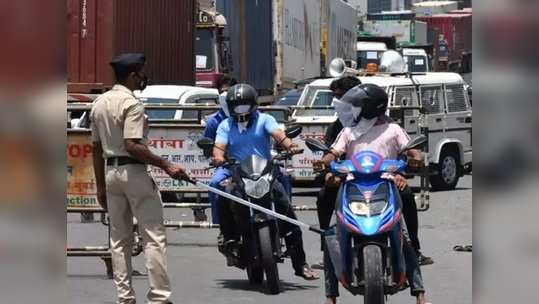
(122, 160)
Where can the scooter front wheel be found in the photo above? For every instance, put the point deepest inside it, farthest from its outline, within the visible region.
(373, 274)
(268, 260)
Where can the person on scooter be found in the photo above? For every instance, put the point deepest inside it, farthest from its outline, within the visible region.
(210, 132)
(374, 132)
(328, 193)
(249, 132)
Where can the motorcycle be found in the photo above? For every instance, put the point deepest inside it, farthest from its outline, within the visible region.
(260, 246)
(366, 244)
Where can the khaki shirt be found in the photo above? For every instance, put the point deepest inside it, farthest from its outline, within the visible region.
(117, 115)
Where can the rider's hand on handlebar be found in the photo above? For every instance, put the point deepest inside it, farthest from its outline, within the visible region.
(294, 149)
(332, 181)
(400, 181)
(217, 161)
(319, 166)
(414, 165)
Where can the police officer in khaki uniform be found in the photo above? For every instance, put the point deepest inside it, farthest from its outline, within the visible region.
(124, 186)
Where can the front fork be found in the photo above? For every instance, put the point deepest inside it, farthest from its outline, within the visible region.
(358, 244)
(261, 219)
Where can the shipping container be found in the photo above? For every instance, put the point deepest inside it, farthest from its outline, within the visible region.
(296, 30)
(430, 8)
(249, 28)
(398, 25)
(339, 31)
(453, 29)
(98, 30)
(273, 42)
(421, 33)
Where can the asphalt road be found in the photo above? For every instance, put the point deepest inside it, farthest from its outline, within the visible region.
(199, 274)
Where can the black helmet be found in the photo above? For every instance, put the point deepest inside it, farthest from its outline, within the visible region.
(371, 98)
(241, 95)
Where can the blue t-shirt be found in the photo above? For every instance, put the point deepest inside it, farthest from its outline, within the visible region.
(213, 123)
(255, 140)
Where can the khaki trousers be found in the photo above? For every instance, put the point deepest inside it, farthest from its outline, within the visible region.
(132, 192)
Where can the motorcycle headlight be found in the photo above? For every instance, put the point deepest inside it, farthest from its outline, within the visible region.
(256, 188)
(368, 209)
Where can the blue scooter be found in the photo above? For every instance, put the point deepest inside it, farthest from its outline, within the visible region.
(366, 244)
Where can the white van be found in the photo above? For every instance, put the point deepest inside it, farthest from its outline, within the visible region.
(369, 52)
(175, 94)
(417, 60)
(449, 117)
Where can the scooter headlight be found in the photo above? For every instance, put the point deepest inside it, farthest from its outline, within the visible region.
(368, 209)
(342, 169)
(256, 188)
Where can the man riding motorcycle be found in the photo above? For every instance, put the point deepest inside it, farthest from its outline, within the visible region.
(246, 132)
(210, 132)
(375, 133)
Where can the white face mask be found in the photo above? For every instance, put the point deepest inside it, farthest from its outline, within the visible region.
(242, 109)
(344, 112)
(356, 111)
(242, 126)
(362, 127)
(222, 103)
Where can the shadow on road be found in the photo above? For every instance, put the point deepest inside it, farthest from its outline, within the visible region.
(192, 245)
(245, 286)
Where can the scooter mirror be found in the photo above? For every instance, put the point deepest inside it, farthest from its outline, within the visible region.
(316, 145)
(293, 131)
(416, 143)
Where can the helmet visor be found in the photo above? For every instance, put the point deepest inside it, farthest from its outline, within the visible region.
(242, 109)
(356, 96)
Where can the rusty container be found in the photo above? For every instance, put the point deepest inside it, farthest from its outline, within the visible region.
(98, 30)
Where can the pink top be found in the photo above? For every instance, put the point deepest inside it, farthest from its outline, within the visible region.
(386, 139)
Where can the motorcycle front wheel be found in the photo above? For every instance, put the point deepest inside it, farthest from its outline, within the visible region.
(255, 274)
(373, 274)
(268, 260)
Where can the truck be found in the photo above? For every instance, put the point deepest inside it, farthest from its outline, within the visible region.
(98, 30)
(212, 50)
(401, 25)
(338, 32)
(276, 43)
(369, 48)
(430, 8)
(454, 40)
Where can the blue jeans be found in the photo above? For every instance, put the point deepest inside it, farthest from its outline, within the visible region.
(221, 174)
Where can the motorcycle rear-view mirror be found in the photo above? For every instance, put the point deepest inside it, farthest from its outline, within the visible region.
(316, 145)
(206, 144)
(416, 143)
(293, 131)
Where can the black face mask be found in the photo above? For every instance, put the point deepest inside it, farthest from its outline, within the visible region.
(143, 81)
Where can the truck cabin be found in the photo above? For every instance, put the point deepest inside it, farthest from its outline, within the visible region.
(417, 60)
(210, 48)
(369, 52)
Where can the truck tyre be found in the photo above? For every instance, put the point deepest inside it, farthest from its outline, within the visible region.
(374, 275)
(268, 261)
(448, 173)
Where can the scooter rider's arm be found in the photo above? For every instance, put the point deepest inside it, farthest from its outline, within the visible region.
(219, 154)
(338, 148)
